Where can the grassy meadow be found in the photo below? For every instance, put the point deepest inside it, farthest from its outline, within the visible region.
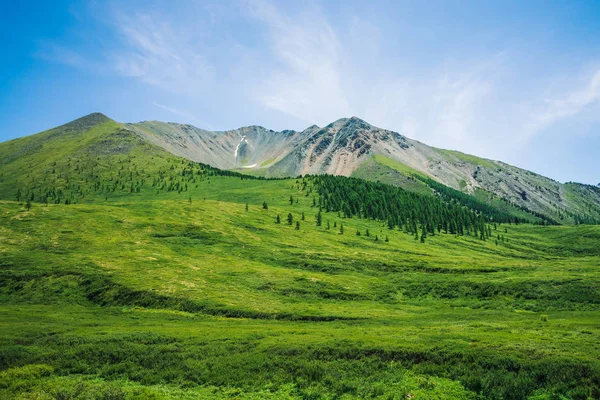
(148, 293)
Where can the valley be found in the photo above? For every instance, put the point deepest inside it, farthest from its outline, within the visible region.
(128, 271)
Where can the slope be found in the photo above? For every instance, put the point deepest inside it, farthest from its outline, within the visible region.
(346, 147)
(167, 297)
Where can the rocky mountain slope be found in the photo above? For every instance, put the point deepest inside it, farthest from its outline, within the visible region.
(348, 146)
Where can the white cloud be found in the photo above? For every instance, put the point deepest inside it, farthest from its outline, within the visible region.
(188, 117)
(563, 105)
(161, 54)
(306, 80)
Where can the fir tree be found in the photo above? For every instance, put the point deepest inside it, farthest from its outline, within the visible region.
(278, 219)
(302, 217)
(319, 219)
(246, 208)
(341, 229)
(265, 206)
(290, 219)
(387, 239)
(297, 225)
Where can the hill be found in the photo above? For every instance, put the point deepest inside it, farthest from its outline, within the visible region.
(127, 271)
(350, 145)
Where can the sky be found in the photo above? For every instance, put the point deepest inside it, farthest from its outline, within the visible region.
(516, 81)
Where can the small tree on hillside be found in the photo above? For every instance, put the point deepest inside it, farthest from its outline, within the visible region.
(290, 219)
(278, 219)
(28, 205)
(319, 219)
(297, 225)
(246, 208)
(265, 206)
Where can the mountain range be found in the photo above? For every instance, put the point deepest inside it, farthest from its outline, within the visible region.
(348, 146)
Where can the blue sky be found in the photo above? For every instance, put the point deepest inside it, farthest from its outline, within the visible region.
(515, 81)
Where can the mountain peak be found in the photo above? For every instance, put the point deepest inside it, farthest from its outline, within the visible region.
(84, 123)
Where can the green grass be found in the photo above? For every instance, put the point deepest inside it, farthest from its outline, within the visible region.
(155, 282)
(153, 295)
(385, 170)
(469, 158)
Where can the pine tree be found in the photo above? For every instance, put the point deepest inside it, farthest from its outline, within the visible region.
(290, 219)
(328, 225)
(357, 233)
(319, 219)
(376, 238)
(246, 208)
(278, 219)
(367, 233)
(302, 217)
(265, 206)
(387, 239)
(341, 229)
(297, 225)
(28, 205)
(291, 199)
(423, 234)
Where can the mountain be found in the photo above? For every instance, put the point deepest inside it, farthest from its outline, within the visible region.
(353, 147)
(130, 272)
(348, 147)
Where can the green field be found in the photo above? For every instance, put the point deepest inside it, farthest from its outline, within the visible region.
(129, 273)
(154, 296)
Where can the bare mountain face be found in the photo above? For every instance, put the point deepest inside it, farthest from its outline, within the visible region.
(351, 146)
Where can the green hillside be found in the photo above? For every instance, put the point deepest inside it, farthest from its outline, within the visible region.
(129, 273)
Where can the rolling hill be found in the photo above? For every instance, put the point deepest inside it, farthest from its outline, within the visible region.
(130, 271)
(350, 147)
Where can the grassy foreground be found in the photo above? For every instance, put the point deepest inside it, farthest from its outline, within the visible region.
(188, 295)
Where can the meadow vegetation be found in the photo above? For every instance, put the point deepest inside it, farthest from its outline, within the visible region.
(128, 273)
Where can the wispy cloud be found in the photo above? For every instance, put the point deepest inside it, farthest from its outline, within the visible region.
(564, 105)
(161, 54)
(188, 117)
(306, 79)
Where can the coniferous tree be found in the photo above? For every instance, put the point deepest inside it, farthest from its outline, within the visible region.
(319, 219)
(367, 234)
(328, 225)
(278, 219)
(387, 239)
(302, 217)
(265, 206)
(246, 208)
(341, 228)
(28, 205)
(290, 219)
(297, 225)
(291, 199)
(357, 232)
